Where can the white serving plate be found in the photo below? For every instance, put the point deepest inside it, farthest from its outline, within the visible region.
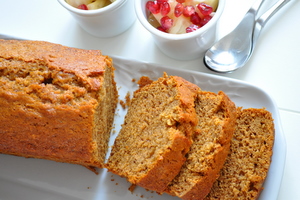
(31, 179)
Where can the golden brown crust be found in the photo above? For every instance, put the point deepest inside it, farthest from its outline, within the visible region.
(143, 81)
(52, 102)
(216, 123)
(150, 149)
(247, 164)
(57, 57)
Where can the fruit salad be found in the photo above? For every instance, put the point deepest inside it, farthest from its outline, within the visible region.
(180, 16)
(89, 4)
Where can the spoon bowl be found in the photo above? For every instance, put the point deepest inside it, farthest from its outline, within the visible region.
(233, 50)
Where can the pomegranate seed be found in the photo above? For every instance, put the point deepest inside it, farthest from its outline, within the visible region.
(206, 19)
(180, 1)
(165, 8)
(153, 7)
(195, 18)
(178, 10)
(82, 7)
(205, 9)
(161, 1)
(188, 10)
(166, 22)
(162, 29)
(192, 28)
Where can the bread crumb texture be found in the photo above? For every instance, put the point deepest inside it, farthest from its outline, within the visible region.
(151, 146)
(248, 162)
(211, 141)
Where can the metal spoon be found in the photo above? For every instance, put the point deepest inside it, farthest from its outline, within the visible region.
(234, 50)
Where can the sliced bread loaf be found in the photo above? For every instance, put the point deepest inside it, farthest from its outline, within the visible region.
(211, 143)
(156, 135)
(249, 160)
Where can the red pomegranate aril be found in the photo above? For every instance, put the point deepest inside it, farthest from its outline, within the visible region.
(178, 9)
(166, 22)
(162, 29)
(204, 8)
(195, 18)
(205, 20)
(188, 11)
(161, 1)
(180, 1)
(153, 7)
(192, 28)
(82, 7)
(165, 8)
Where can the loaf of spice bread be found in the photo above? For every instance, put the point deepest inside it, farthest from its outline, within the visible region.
(248, 162)
(216, 115)
(157, 133)
(56, 102)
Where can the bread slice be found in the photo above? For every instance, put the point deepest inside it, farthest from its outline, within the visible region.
(211, 142)
(151, 146)
(247, 164)
(57, 102)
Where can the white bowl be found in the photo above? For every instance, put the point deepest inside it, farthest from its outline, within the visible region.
(186, 46)
(108, 21)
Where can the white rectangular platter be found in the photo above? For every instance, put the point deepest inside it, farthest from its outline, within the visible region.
(35, 179)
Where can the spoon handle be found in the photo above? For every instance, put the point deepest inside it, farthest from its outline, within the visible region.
(264, 18)
(256, 6)
(267, 15)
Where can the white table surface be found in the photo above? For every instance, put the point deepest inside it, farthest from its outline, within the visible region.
(274, 66)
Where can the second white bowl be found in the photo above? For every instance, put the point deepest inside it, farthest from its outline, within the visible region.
(186, 46)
